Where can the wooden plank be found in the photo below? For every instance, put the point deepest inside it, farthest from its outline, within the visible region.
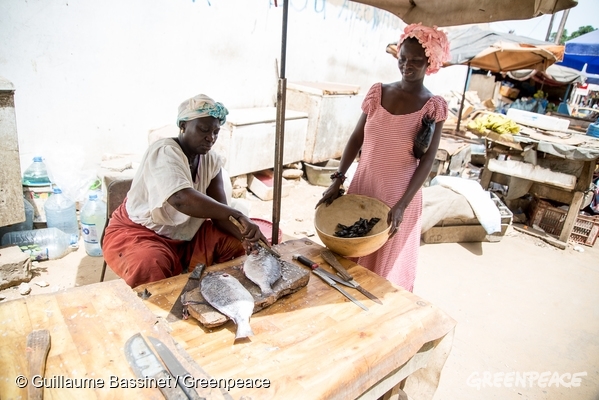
(315, 340)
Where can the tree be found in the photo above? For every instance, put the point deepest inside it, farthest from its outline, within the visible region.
(579, 32)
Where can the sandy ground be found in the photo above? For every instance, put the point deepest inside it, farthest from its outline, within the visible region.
(522, 306)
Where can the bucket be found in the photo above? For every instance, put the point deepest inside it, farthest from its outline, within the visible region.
(320, 174)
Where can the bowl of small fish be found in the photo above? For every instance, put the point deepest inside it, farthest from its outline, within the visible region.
(353, 225)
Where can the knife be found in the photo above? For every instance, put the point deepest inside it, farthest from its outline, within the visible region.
(144, 363)
(330, 258)
(175, 368)
(38, 346)
(318, 271)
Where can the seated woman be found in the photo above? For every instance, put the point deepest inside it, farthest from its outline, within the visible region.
(176, 214)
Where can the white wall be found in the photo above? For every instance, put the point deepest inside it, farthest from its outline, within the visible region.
(95, 77)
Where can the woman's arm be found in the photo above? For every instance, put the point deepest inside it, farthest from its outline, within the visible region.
(422, 171)
(213, 205)
(353, 146)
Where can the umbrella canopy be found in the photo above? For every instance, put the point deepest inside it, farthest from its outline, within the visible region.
(583, 50)
(460, 12)
(505, 57)
(555, 75)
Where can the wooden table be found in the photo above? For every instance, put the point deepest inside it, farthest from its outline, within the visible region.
(88, 326)
(317, 344)
(581, 170)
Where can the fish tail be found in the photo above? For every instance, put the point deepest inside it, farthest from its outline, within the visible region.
(243, 330)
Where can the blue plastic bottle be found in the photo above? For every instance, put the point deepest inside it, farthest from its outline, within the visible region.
(93, 220)
(36, 174)
(61, 213)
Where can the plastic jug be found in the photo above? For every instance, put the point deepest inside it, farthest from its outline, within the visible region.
(61, 213)
(36, 174)
(41, 244)
(93, 220)
(21, 226)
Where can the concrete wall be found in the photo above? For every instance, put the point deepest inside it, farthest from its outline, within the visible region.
(95, 77)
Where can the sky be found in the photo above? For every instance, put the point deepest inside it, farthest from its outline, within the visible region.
(585, 13)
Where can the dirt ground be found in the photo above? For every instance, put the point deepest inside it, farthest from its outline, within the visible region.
(522, 306)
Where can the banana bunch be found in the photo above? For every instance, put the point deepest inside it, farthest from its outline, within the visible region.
(495, 122)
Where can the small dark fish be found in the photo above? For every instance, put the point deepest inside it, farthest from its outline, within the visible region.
(360, 228)
(225, 293)
(263, 269)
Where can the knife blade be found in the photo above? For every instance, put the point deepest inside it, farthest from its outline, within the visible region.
(145, 364)
(175, 368)
(330, 258)
(319, 272)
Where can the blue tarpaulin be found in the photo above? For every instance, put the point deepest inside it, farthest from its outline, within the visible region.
(583, 50)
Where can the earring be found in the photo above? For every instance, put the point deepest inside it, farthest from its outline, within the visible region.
(181, 131)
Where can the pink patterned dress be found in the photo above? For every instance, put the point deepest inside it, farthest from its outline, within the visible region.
(384, 172)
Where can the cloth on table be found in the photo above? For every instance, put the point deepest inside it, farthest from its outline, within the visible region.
(439, 203)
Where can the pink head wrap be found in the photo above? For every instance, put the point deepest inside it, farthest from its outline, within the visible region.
(434, 41)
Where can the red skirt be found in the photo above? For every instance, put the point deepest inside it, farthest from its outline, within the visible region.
(139, 255)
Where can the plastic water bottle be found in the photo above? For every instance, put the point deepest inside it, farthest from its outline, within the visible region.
(41, 244)
(21, 226)
(36, 174)
(61, 213)
(93, 220)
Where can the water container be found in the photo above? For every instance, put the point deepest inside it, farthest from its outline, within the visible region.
(593, 130)
(41, 244)
(93, 220)
(61, 213)
(36, 174)
(21, 226)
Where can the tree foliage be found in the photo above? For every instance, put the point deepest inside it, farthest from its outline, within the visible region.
(565, 37)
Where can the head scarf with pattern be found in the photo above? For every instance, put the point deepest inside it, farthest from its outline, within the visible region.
(201, 106)
(434, 42)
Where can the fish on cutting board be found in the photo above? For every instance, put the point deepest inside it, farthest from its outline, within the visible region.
(228, 296)
(263, 269)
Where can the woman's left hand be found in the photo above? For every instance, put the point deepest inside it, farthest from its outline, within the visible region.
(394, 218)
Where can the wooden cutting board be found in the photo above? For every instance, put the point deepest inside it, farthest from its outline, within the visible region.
(89, 327)
(293, 278)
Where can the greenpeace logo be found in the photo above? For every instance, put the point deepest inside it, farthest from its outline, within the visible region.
(545, 379)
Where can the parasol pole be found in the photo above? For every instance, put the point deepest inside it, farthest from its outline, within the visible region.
(280, 131)
(463, 97)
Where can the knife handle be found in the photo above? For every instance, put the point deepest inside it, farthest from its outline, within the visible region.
(306, 261)
(260, 241)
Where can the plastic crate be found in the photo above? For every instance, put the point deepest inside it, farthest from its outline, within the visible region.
(551, 220)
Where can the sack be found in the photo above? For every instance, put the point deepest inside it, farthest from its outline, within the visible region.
(424, 137)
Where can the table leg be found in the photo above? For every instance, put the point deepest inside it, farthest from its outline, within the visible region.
(573, 212)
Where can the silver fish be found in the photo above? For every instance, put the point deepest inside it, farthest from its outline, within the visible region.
(225, 293)
(263, 269)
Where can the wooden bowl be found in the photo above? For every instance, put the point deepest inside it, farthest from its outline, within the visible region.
(347, 210)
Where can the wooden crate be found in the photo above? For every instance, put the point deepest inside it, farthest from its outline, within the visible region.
(551, 220)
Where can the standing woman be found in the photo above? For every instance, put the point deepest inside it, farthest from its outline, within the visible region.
(388, 170)
(176, 213)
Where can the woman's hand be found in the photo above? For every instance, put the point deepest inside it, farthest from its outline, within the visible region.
(251, 233)
(394, 218)
(329, 195)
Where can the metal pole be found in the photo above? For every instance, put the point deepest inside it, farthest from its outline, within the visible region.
(560, 29)
(549, 27)
(463, 98)
(280, 131)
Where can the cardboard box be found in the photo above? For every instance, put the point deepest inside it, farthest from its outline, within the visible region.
(262, 185)
(509, 92)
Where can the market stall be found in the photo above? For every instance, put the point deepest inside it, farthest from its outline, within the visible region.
(548, 164)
